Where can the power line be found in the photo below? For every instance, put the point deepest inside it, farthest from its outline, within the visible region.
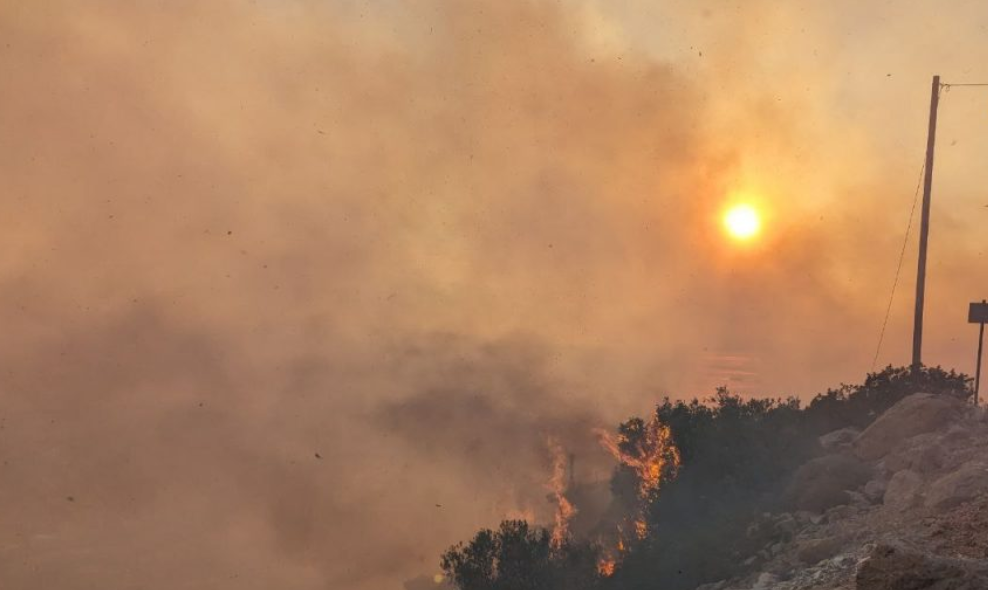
(926, 168)
(898, 269)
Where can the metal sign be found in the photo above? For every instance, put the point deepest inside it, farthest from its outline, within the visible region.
(978, 313)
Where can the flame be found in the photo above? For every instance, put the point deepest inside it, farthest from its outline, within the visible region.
(605, 567)
(557, 487)
(641, 528)
(653, 457)
(611, 556)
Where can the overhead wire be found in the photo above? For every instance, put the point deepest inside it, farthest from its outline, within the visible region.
(905, 239)
(898, 269)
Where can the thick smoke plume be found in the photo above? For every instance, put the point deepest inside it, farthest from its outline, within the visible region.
(293, 293)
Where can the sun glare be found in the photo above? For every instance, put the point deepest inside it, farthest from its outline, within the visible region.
(742, 221)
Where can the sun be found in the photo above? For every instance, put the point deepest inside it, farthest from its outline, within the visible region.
(742, 222)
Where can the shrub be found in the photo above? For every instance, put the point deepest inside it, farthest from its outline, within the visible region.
(520, 557)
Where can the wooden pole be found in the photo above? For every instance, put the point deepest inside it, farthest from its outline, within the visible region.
(924, 230)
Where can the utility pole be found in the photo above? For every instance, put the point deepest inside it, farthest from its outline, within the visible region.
(925, 229)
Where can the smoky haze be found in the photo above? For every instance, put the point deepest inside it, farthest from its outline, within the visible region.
(294, 293)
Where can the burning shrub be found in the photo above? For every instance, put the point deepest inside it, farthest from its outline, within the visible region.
(735, 455)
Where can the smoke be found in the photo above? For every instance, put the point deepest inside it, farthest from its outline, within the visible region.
(294, 292)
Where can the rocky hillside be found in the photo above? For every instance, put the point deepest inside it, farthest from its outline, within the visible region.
(902, 505)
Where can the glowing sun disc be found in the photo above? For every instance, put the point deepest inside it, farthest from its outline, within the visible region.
(742, 221)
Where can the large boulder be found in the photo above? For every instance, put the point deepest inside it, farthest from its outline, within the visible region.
(892, 567)
(915, 414)
(922, 453)
(824, 482)
(968, 482)
(903, 490)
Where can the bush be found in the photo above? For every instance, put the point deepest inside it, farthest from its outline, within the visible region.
(736, 454)
(520, 557)
(859, 405)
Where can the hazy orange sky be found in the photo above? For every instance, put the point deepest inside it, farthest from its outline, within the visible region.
(417, 238)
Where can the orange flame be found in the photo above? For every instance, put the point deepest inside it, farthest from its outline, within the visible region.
(610, 557)
(557, 487)
(641, 528)
(653, 457)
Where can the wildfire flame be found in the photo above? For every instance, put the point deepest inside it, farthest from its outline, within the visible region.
(605, 567)
(611, 555)
(653, 457)
(557, 488)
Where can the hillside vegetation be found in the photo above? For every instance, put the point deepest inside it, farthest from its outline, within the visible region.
(736, 462)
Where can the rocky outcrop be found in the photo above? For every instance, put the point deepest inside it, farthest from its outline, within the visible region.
(962, 485)
(891, 567)
(904, 507)
(903, 490)
(824, 482)
(917, 414)
(922, 453)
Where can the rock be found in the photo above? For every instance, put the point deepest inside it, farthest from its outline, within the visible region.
(838, 439)
(891, 567)
(915, 414)
(927, 459)
(838, 513)
(859, 500)
(823, 482)
(874, 490)
(765, 581)
(812, 551)
(960, 486)
(786, 525)
(922, 454)
(903, 490)
(957, 437)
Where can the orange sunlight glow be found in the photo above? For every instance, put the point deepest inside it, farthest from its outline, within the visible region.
(742, 221)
